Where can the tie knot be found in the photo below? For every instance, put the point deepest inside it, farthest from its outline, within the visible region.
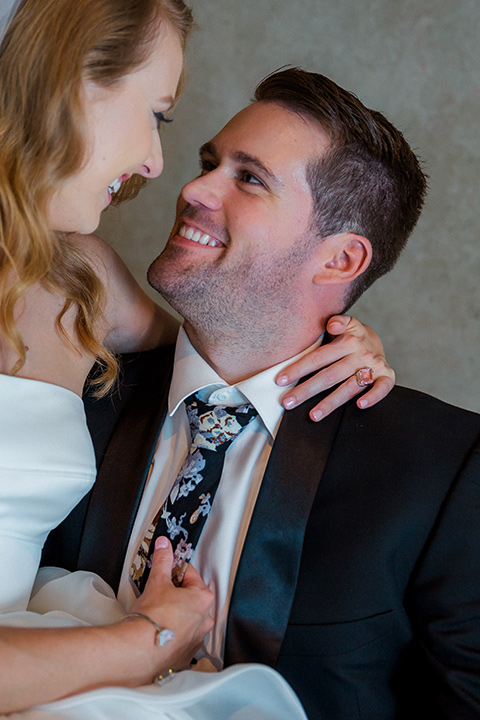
(215, 426)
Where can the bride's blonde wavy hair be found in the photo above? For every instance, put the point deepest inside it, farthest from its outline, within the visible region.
(50, 48)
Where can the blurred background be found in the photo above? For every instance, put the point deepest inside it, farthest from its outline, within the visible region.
(418, 62)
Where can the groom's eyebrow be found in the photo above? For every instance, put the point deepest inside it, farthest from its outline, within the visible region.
(245, 159)
(209, 148)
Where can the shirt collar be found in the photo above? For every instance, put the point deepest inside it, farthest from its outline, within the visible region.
(192, 373)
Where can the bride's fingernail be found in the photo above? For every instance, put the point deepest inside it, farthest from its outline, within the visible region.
(288, 402)
(316, 415)
(282, 380)
(161, 543)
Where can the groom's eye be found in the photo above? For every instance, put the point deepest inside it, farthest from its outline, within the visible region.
(206, 166)
(247, 177)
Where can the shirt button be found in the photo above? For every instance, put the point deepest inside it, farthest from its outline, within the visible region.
(222, 397)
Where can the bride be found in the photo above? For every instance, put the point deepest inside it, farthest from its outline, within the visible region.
(84, 87)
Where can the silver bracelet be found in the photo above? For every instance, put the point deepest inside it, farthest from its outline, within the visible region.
(163, 635)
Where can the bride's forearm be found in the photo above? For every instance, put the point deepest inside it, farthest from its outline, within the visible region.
(39, 665)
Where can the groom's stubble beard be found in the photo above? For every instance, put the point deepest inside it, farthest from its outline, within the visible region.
(249, 303)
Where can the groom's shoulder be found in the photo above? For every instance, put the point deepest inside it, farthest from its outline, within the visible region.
(150, 366)
(427, 406)
(136, 371)
(143, 381)
(411, 413)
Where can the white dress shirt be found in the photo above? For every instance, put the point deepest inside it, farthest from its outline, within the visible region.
(220, 546)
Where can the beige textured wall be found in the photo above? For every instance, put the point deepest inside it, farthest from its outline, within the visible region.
(417, 61)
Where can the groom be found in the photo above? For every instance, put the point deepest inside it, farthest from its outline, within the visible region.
(346, 555)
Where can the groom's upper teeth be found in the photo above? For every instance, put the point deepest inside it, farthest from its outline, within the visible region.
(197, 236)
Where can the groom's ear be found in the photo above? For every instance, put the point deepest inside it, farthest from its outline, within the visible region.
(342, 258)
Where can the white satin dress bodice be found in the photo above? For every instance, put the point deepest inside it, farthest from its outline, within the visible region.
(47, 465)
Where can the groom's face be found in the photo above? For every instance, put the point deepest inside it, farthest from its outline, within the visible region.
(243, 227)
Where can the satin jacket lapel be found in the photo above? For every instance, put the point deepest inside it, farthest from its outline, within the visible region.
(124, 468)
(268, 569)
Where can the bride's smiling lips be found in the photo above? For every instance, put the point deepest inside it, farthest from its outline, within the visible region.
(196, 235)
(115, 186)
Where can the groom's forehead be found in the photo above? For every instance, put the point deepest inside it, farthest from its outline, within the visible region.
(271, 138)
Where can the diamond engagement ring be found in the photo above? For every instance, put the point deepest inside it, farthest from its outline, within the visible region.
(364, 376)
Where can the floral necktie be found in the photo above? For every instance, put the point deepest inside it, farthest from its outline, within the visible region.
(183, 514)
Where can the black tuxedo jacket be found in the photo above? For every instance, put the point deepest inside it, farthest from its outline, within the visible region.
(359, 579)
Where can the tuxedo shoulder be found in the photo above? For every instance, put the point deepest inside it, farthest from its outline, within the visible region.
(403, 397)
(141, 376)
(134, 365)
(407, 413)
(135, 369)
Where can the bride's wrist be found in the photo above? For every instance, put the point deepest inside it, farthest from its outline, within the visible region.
(146, 659)
(163, 635)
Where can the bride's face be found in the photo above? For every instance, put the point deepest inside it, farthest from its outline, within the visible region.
(122, 136)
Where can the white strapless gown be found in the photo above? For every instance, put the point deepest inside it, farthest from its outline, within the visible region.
(47, 465)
